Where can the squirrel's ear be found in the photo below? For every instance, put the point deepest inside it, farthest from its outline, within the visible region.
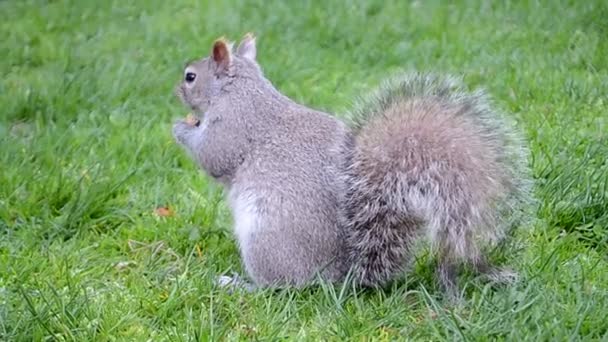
(221, 54)
(247, 48)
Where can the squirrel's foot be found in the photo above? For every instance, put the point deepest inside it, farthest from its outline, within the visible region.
(234, 282)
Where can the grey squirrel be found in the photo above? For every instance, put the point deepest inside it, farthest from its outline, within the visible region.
(312, 196)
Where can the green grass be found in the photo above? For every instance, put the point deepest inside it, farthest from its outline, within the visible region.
(87, 156)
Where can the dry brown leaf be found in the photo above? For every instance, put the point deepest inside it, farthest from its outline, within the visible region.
(164, 212)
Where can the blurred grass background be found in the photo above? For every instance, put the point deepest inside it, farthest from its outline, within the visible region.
(87, 157)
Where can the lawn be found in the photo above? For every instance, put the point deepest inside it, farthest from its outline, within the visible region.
(108, 231)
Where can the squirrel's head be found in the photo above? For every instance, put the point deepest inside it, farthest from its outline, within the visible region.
(207, 78)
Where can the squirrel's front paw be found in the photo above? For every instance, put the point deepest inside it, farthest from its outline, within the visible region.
(180, 131)
(182, 128)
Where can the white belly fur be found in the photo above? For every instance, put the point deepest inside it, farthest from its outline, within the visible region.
(246, 218)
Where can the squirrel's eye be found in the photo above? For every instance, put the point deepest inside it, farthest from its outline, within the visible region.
(190, 77)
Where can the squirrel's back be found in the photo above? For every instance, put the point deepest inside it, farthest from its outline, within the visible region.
(430, 159)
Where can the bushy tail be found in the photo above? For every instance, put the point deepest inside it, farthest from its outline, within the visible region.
(432, 160)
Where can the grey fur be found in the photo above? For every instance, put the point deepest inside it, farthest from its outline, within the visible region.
(433, 161)
(280, 163)
(310, 196)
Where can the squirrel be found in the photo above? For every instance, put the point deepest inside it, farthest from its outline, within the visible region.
(312, 196)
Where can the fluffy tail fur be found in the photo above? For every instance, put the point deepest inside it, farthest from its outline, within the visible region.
(430, 160)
